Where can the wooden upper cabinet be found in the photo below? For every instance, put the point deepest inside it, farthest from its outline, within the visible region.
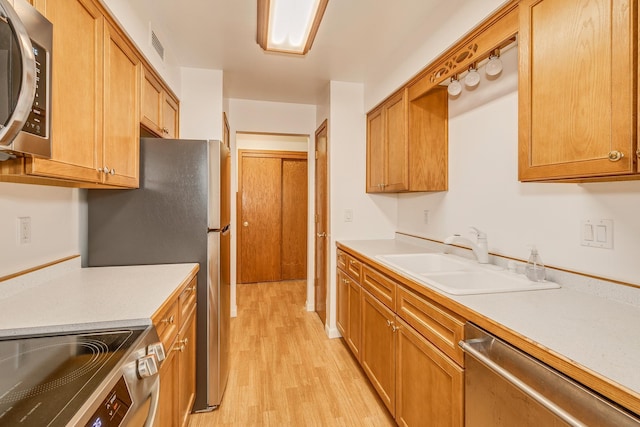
(407, 143)
(76, 128)
(577, 76)
(387, 153)
(160, 110)
(121, 149)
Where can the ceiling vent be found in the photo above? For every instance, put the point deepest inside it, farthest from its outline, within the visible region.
(157, 45)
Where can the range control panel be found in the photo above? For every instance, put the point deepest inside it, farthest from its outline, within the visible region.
(114, 408)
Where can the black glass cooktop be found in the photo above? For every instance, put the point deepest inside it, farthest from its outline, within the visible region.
(45, 380)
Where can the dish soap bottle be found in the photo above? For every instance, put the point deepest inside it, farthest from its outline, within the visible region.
(534, 269)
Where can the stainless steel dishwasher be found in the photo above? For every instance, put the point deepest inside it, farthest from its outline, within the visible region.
(506, 387)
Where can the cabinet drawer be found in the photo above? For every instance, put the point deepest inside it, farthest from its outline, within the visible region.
(436, 323)
(188, 300)
(166, 324)
(349, 265)
(380, 286)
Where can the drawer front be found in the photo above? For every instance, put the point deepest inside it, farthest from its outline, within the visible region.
(380, 286)
(349, 265)
(439, 325)
(167, 324)
(188, 300)
(342, 260)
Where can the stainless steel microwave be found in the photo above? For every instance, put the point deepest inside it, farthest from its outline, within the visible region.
(26, 39)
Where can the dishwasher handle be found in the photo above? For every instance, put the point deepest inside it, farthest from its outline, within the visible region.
(515, 381)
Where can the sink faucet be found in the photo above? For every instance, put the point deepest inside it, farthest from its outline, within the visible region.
(480, 249)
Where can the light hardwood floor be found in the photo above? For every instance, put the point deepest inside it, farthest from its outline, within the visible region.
(286, 372)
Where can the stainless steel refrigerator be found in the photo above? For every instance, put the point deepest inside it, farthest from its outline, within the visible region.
(179, 214)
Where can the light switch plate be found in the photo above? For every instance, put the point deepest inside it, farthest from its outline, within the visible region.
(597, 233)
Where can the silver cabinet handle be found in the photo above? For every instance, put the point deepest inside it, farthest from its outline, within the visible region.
(517, 382)
(323, 234)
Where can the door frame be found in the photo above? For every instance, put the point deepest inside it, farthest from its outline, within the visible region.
(321, 226)
(242, 153)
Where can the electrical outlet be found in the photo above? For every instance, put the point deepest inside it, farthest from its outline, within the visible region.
(348, 215)
(24, 230)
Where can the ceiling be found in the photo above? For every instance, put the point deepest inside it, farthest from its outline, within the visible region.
(355, 38)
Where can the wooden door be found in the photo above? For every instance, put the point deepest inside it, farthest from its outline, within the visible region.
(272, 216)
(260, 221)
(122, 111)
(354, 327)
(151, 103)
(430, 386)
(321, 226)
(76, 120)
(342, 304)
(187, 367)
(170, 117)
(576, 88)
(294, 219)
(396, 143)
(378, 348)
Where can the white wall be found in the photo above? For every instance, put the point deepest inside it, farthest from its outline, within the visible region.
(484, 191)
(374, 216)
(136, 18)
(201, 104)
(54, 213)
(271, 117)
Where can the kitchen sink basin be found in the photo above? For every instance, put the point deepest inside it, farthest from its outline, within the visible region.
(460, 276)
(425, 263)
(483, 282)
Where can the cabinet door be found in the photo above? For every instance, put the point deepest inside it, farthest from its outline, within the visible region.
(355, 324)
(170, 117)
(122, 118)
(396, 141)
(151, 102)
(576, 81)
(76, 126)
(430, 386)
(187, 376)
(378, 354)
(376, 158)
(167, 415)
(342, 296)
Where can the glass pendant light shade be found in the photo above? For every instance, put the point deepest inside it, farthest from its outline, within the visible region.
(494, 66)
(472, 78)
(454, 87)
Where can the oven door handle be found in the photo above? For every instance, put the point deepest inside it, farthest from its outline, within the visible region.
(155, 401)
(517, 382)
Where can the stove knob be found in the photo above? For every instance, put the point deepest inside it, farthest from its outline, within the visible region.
(158, 350)
(147, 366)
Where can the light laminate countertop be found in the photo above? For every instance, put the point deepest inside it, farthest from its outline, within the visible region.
(592, 332)
(89, 298)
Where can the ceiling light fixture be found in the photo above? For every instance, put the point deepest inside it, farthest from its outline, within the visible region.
(472, 78)
(454, 87)
(289, 26)
(494, 66)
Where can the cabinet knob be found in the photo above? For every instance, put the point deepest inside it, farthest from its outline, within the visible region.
(638, 152)
(165, 130)
(168, 321)
(245, 224)
(615, 155)
(389, 322)
(323, 234)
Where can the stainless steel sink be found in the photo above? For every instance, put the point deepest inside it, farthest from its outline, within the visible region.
(460, 276)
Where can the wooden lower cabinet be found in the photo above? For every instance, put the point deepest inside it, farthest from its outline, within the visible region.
(167, 403)
(429, 385)
(406, 344)
(378, 348)
(176, 326)
(187, 369)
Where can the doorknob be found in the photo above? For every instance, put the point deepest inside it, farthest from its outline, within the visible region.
(323, 234)
(245, 224)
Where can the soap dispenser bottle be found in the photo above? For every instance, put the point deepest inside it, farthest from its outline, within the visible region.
(534, 269)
